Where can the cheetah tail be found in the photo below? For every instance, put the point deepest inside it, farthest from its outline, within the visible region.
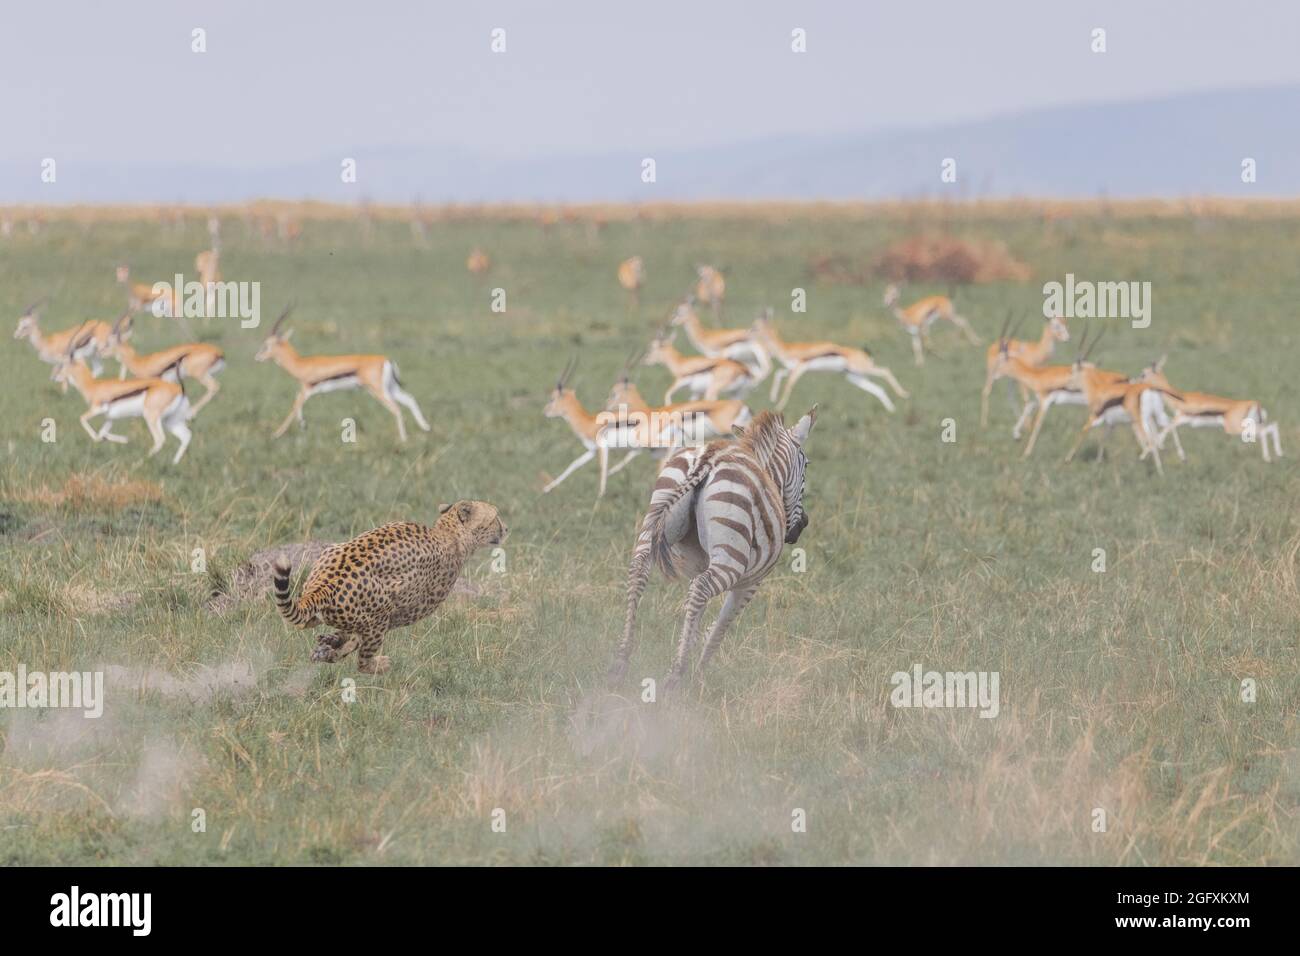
(291, 611)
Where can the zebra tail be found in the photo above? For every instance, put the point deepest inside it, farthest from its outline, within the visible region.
(297, 614)
(663, 502)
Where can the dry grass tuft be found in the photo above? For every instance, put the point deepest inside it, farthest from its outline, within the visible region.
(93, 492)
(948, 259)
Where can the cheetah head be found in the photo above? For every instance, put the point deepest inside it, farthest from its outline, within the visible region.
(479, 518)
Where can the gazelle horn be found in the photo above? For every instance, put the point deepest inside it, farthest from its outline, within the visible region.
(1093, 344)
(569, 368)
(275, 329)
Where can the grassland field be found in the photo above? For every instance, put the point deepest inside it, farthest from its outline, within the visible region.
(1120, 690)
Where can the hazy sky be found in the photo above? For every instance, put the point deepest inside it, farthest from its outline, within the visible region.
(283, 81)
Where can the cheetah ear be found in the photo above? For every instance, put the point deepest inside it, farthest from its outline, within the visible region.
(443, 509)
(466, 511)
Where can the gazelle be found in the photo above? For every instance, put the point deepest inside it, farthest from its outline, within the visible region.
(1113, 400)
(208, 265)
(737, 344)
(917, 318)
(1046, 385)
(478, 262)
(85, 341)
(603, 431)
(1030, 353)
(141, 295)
(1238, 417)
(801, 357)
(685, 423)
(702, 420)
(287, 227)
(710, 287)
(161, 404)
(318, 374)
(587, 427)
(704, 375)
(631, 276)
(197, 360)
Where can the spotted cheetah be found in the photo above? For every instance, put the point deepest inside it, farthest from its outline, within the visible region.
(385, 579)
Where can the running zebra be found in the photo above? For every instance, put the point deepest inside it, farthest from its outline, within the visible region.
(719, 514)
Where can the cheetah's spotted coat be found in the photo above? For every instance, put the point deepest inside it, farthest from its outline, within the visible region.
(387, 578)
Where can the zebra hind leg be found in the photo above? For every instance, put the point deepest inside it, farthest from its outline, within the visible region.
(638, 573)
(732, 605)
(703, 587)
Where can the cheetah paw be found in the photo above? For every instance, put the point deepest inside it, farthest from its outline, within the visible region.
(324, 654)
(376, 665)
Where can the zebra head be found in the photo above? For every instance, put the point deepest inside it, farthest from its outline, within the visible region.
(795, 478)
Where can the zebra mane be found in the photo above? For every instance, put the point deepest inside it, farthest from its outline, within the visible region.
(763, 436)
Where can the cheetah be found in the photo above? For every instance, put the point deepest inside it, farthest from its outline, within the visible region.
(387, 578)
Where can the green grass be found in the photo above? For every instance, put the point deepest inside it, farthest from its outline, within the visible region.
(1119, 690)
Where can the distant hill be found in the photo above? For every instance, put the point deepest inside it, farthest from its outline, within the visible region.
(1184, 145)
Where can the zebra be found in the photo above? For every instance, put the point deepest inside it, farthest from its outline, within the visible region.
(719, 514)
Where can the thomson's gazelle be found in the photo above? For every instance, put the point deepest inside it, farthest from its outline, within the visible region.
(1030, 354)
(737, 344)
(710, 288)
(602, 431)
(161, 404)
(142, 295)
(1046, 385)
(1238, 417)
(683, 423)
(197, 360)
(1115, 400)
(706, 376)
(631, 276)
(318, 374)
(85, 341)
(802, 357)
(917, 318)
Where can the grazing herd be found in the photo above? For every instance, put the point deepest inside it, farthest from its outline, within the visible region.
(728, 495)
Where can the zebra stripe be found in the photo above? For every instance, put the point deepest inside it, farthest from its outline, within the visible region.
(744, 500)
